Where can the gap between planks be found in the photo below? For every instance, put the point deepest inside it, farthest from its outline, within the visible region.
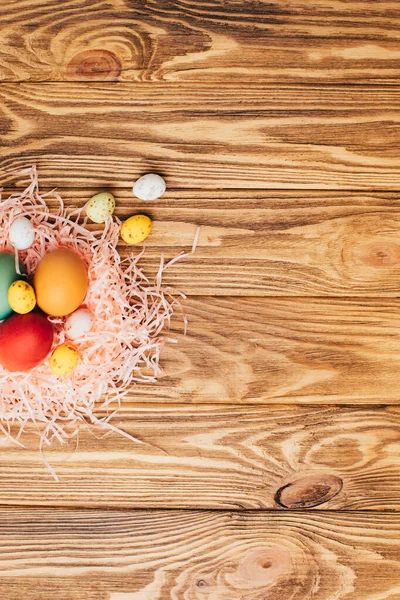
(204, 85)
(99, 510)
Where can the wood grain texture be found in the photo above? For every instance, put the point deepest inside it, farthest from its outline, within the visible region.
(256, 243)
(268, 350)
(191, 40)
(202, 136)
(169, 86)
(218, 458)
(194, 555)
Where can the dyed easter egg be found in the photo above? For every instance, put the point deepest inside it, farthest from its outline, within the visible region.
(100, 207)
(22, 233)
(21, 297)
(25, 341)
(78, 324)
(63, 360)
(8, 275)
(60, 282)
(136, 229)
(149, 187)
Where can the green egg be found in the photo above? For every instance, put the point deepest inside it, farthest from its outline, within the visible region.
(8, 275)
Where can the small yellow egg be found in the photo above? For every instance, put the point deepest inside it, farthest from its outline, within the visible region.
(63, 360)
(136, 229)
(100, 207)
(21, 297)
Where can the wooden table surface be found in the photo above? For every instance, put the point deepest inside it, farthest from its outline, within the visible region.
(270, 468)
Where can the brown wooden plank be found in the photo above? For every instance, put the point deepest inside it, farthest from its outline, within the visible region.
(218, 458)
(256, 243)
(162, 555)
(208, 136)
(304, 350)
(282, 350)
(269, 41)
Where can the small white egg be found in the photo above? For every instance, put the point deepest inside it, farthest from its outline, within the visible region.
(78, 323)
(22, 233)
(149, 187)
(100, 207)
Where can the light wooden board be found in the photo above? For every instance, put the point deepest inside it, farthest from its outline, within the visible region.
(157, 555)
(211, 136)
(264, 41)
(269, 243)
(218, 458)
(269, 350)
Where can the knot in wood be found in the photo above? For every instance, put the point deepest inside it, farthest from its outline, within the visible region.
(202, 584)
(309, 491)
(380, 254)
(263, 566)
(94, 65)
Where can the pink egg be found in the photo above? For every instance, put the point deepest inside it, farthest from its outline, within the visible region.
(78, 324)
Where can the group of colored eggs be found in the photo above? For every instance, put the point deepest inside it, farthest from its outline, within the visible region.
(58, 289)
(137, 228)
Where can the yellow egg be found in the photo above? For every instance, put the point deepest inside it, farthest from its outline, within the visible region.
(136, 229)
(100, 207)
(63, 360)
(21, 297)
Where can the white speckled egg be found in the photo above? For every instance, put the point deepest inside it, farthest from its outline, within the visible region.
(100, 207)
(78, 323)
(22, 233)
(149, 187)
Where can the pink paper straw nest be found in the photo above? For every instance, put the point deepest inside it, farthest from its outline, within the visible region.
(122, 348)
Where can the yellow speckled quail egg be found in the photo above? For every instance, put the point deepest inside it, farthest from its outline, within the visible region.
(21, 297)
(100, 207)
(136, 229)
(22, 233)
(149, 187)
(63, 360)
(78, 324)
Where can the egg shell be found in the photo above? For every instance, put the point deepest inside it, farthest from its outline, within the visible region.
(149, 187)
(63, 360)
(21, 297)
(8, 275)
(60, 282)
(25, 341)
(136, 229)
(22, 233)
(100, 207)
(78, 324)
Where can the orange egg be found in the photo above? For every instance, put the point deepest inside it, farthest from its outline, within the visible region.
(60, 282)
